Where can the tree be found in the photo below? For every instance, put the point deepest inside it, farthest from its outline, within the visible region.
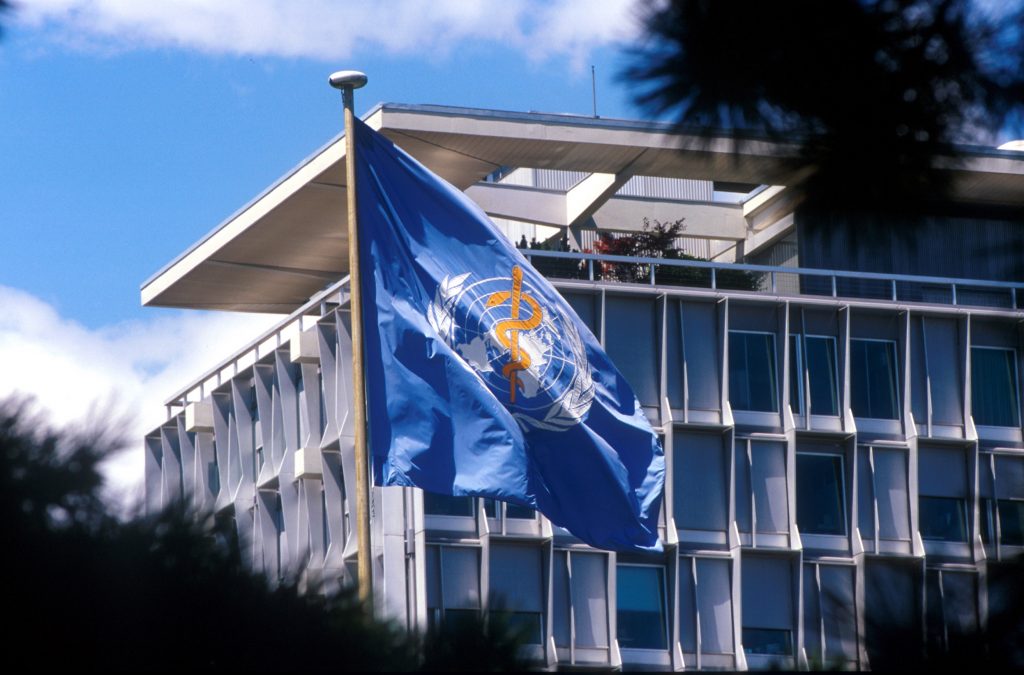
(86, 591)
(876, 93)
(658, 240)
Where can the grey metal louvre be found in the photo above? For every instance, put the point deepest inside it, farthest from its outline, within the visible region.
(701, 481)
(714, 602)
(767, 592)
(891, 484)
(590, 598)
(515, 578)
(768, 480)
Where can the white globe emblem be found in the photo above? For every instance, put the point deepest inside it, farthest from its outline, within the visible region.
(530, 357)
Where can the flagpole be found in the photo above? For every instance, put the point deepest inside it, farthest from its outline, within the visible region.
(348, 81)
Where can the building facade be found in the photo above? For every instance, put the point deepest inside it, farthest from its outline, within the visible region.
(843, 447)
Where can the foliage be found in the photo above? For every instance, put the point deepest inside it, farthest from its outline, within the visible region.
(86, 590)
(872, 91)
(658, 240)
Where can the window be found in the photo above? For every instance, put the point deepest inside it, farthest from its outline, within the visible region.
(768, 617)
(1002, 498)
(447, 505)
(873, 390)
(820, 494)
(942, 479)
(580, 599)
(830, 621)
(952, 609)
(774, 641)
(882, 484)
(453, 586)
(511, 510)
(752, 372)
(701, 479)
(641, 607)
(516, 590)
(943, 519)
(819, 354)
(994, 397)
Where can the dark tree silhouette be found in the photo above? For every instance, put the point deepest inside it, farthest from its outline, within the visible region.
(876, 92)
(84, 590)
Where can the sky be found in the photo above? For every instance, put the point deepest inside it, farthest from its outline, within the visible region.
(130, 129)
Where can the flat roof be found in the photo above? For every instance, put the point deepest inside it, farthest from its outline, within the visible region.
(291, 240)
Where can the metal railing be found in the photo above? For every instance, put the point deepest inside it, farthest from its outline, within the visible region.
(795, 281)
(777, 280)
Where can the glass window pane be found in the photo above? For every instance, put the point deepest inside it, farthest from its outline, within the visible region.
(517, 511)
(1011, 522)
(590, 598)
(767, 641)
(527, 626)
(752, 372)
(714, 601)
(943, 518)
(447, 505)
(820, 494)
(873, 391)
(821, 370)
(515, 575)
(893, 502)
(561, 600)
(701, 496)
(768, 480)
(460, 577)
(994, 400)
(641, 607)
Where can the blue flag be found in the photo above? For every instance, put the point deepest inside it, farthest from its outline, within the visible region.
(481, 379)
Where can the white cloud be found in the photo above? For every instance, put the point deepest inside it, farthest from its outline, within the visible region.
(333, 29)
(122, 373)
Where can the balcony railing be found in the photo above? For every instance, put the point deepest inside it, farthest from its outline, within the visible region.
(662, 272)
(777, 280)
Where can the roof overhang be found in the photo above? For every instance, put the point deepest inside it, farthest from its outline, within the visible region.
(291, 241)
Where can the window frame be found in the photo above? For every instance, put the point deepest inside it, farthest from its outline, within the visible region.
(774, 370)
(898, 402)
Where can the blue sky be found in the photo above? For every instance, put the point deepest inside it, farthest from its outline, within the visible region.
(129, 129)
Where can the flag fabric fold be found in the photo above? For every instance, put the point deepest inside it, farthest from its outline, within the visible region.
(481, 379)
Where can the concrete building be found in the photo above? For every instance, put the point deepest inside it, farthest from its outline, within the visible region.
(841, 413)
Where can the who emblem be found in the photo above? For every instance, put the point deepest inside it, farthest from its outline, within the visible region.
(530, 357)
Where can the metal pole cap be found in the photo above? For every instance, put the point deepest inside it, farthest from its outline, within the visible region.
(347, 79)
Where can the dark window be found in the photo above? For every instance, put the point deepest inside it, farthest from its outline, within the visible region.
(447, 505)
(517, 511)
(1011, 521)
(453, 587)
(994, 399)
(873, 390)
(820, 494)
(641, 607)
(943, 518)
(752, 372)
(774, 641)
(516, 588)
(511, 510)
